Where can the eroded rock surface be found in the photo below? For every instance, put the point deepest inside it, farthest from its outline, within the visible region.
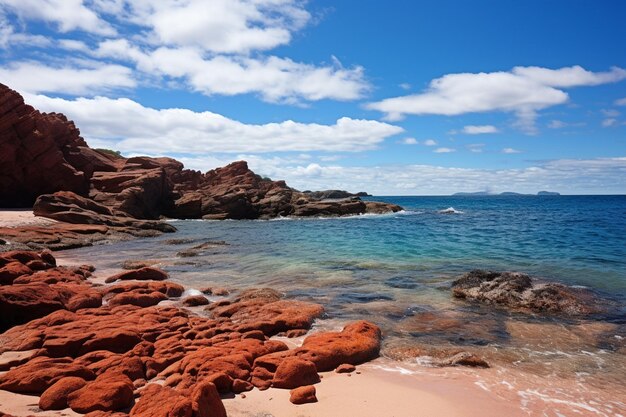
(94, 358)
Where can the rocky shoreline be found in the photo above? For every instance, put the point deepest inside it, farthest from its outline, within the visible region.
(127, 346)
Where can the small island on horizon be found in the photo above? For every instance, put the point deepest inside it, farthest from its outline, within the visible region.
(505, 193)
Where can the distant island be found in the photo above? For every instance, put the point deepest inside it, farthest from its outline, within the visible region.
(505, 193)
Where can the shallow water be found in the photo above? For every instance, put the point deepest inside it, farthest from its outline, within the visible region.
(395, 270)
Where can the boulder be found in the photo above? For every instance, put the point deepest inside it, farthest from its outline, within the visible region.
(159, 401)
(108, 392)
(303, 395)
(206, 402)
(55, 397)
(295, 372)
(195, 300)
(142, 274)
(519, 292)
(40, 373)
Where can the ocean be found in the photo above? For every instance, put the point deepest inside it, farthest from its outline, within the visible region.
(396, 269)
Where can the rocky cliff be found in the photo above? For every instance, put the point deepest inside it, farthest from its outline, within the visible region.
(43, 154)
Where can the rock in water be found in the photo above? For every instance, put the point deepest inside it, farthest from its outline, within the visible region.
(518, 291)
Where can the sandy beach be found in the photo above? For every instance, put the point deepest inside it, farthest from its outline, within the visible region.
(22, 217)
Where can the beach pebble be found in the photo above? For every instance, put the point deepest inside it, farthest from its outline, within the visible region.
(345, 368)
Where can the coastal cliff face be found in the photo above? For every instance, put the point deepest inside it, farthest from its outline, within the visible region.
(44, 154)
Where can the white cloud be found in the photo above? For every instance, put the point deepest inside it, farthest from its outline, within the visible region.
(609, 122)
(479, 130)
(67, 15)
(73, 45)
(621, 102)
(10, 38)
(275, 79)
(556, 124)
(590, 176)
(510, 150)
(128, 126)
(523, 91)
(444, 150)
(205, 45)
(32, 77)
(409, 141)
(405, 86)
(430, 142)
(222, 26)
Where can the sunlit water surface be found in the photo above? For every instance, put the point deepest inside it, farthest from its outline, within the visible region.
(395, 270)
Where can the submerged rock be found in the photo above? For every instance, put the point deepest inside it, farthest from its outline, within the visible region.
(518, 291)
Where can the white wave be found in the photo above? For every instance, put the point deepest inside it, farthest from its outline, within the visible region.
(191, 292)
(450, 210)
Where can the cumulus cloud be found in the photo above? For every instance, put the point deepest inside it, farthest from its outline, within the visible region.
(479, 130)
(213, 47)
(430, 142)
(444, 150)
(126, 125)
(66, 15)
(522, 91)
(33, 77)
(621, 102)
(222, 26)
(409, 141)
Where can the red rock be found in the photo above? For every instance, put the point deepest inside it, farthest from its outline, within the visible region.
(109, 392)
(206, 401)
(21, 303)
(40, 373)
(303, 395)
(345, 368)
(33, 146)
(294, 372)
(142, 274)
(168, 288)
(195, 300)
(13, 270)
(117, 340)
(55, 397)
(158, 401)
(356, 343)
(239, 385)
(138, 298)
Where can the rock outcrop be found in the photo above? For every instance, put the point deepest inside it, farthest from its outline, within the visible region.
(520, 292)
(47, 163)
(93, 357)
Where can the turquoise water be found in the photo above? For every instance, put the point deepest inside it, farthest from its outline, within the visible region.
(396, 269)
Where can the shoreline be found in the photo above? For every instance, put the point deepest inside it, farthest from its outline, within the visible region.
(375, 389)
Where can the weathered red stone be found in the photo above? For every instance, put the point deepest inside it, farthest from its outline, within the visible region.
(295, 372)
(303, 395)
(55, 397)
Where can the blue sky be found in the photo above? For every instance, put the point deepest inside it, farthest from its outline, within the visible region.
(403, 97)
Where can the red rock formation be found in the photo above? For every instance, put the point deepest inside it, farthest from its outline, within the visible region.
(92, 359)
(34, 148)
(43, 154)
(55, 397)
